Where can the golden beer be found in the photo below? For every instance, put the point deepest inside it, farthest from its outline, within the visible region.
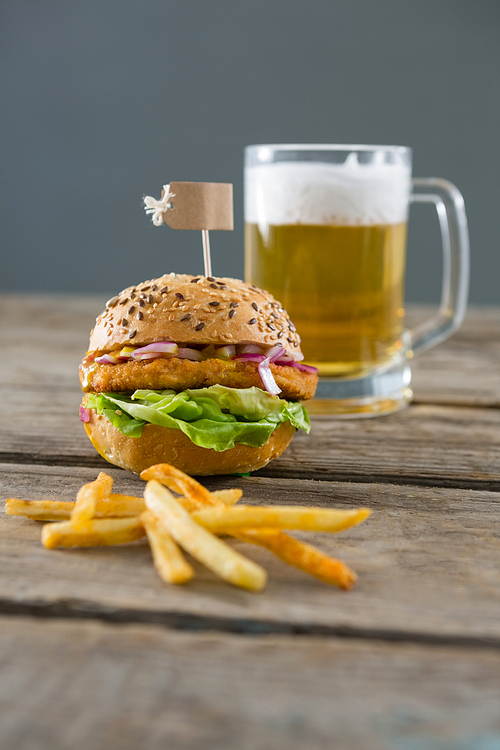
(343, 286)
(325, 232)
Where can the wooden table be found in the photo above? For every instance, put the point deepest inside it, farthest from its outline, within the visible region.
(97, 653)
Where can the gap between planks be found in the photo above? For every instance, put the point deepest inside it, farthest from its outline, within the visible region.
(407, 480)
(187, 622)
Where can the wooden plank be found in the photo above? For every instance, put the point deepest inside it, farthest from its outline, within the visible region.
(425, 444)
(428, 563)
(465, 369)
(89, 685)
(47, 336)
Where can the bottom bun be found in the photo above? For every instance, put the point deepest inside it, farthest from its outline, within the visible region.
(161, 445)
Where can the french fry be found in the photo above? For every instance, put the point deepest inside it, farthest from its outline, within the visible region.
(97, 533)
(208, 549)
(113, 506)
(167, 557)
(39, 510)
(193, 494)
(87, 498)
(300, 555)
(292, 551)
(176, 480)
(119, 506)
(228, 497)
(219, 497)
(224, 519)
(99, 518)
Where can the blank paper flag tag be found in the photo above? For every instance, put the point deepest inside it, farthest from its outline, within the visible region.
(200, 205)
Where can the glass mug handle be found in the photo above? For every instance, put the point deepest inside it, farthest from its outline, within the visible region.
(450, 209)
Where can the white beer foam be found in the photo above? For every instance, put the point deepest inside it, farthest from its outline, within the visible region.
(317, 193)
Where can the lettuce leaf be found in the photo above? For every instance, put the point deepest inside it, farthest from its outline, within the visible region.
(216, 417)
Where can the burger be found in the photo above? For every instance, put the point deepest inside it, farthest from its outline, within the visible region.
(200, 372)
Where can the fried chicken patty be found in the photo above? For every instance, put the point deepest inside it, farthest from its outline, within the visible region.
(181, 374)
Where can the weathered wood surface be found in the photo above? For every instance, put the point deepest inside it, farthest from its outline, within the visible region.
(428, 564)
(408, 659)
(107, 687)
(465, 370)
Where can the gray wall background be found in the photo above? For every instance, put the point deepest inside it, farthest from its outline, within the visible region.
(105, 100)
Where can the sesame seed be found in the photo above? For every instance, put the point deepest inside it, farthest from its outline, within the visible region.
(214, 304)
(255, 306)
(232, 313)
(112, 302)
(124, 322)
(280, 334)
(199, 326)
(150, 298)
(140, 315)
(210, 278)
(223, 286)
(271, 327)
(154, 288)
(131, 309)
(275, 315)
(193, 281)
(133, 295)
(252, 321)
(132, 334)
(179, 295)
(234, 304)
(164, 290)
(142, 296)
(290, 341)
(214, 286)
(140, 302)
(145, 288)
(185, 317)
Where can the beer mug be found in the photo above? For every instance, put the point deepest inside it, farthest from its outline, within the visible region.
(325, 232)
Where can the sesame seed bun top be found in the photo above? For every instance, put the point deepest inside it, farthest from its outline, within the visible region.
(193, 310)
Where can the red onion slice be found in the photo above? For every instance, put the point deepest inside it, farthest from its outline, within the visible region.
(287, 363)
(267, 378)
(147, 356)
(161, 347)
(192, 354)
(249, 349)
(250, 357)
(305, 368)
(84, 414)
(107, 359)
(275, 352)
